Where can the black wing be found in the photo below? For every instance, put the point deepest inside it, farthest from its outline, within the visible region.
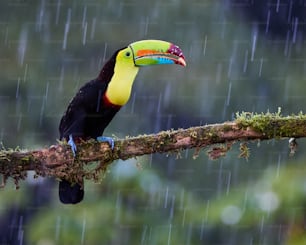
(85, 107)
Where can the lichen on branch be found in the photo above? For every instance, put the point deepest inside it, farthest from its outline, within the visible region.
(93, 157)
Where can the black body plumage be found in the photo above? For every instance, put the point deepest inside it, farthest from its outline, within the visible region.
(87, 115)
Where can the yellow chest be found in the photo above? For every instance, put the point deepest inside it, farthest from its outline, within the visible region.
(119, 88)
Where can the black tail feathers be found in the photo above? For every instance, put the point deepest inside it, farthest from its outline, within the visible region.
(70, 194)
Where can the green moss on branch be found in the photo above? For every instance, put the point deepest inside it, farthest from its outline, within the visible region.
(94, 157)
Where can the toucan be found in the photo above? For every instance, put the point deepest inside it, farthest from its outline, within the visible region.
(97, 102)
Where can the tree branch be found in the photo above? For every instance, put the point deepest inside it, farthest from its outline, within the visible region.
(94, 157)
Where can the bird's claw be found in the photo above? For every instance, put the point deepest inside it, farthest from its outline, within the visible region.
(109, 140)
(72, 144)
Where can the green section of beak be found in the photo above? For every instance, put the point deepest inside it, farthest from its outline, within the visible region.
(156, 52)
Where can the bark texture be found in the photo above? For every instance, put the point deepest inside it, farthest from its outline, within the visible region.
(94, 157)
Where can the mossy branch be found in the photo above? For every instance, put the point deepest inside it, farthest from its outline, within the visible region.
(94, 157)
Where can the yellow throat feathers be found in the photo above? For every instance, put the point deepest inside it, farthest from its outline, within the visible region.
(119, 88)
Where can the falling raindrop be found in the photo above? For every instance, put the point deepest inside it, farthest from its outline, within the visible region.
(57, 228)
(146, 26)
(150, 160)
(25, 73)
(287, 44)
(166, 197)
(61, 79)
(84, 33)
(268, 21)
(22, 45)
(245, 201)
(167, 95)
(1, 137)
(182, 197)
(277, 6)
(296, 22)
(260, 67)
(278, 165)
(84, 25)
(159, 103)
(230, 66)
(228, 97)
(172, 208)
(84, 22)
(205, 45)
(280, 233)
(262, 224)
(67, 26)
(40, 16)
(246, 57)
(144, 233)
(83, 230)
(191, 51)
(93, 28)
(120, 9)
(289, 11)
(104, 55)
(47, 91)
(204, 220)
(17, 88)
(42, 111)
(187, 151)
(184, 217)
(189, 233)
(169, 235)
(58, 10)
(19, 120)
(20, 230)
(287, 89)
(133, 102)
(254, 40)
(220, 172)
(228, 185)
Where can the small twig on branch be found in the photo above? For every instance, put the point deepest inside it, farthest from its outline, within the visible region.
(57, 160)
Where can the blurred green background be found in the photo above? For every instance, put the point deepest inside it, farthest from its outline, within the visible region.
(241, 56)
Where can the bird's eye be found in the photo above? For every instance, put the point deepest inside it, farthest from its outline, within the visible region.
(128, 54)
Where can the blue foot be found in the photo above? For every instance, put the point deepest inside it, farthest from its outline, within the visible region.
(72, 144)
(109, 140)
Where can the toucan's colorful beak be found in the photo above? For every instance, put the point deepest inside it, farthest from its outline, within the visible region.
(156, 52)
